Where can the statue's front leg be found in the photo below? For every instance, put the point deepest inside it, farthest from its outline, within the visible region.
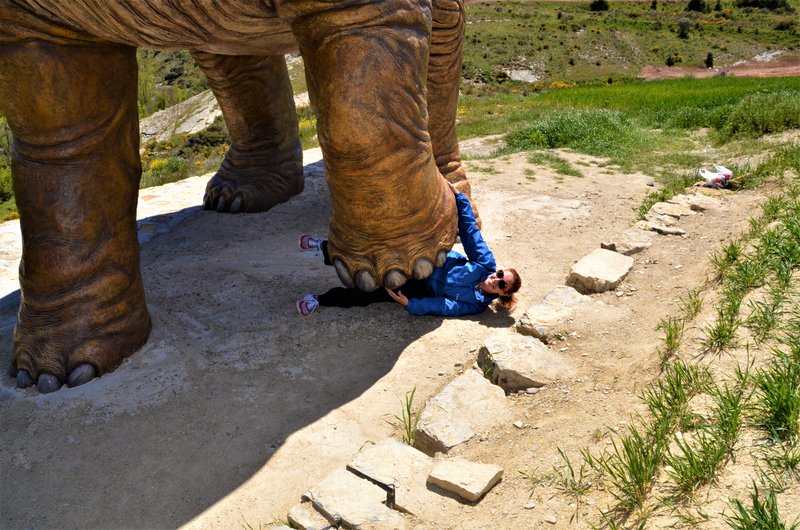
(264, 165)
(393, 214)
(444, 78)
(76, 169)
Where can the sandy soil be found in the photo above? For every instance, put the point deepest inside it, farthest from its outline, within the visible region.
(236, 405)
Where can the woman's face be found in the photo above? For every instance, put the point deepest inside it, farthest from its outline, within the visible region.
(498, 282)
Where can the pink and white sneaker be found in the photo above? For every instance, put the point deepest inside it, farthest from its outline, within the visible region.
(307, 305)
(309, 242)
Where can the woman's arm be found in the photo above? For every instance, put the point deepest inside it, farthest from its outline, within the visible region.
(442, 306)
(475, 247)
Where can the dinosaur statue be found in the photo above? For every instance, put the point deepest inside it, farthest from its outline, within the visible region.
(383, 79)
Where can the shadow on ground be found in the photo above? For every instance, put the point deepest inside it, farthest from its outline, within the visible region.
(229, 374)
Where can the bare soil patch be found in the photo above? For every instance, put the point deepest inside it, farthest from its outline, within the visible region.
(750, 69)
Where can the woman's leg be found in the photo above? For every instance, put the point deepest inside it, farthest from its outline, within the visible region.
(352, 297)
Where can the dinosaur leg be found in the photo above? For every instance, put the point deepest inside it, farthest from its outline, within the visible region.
(393, 214)
(264, 165)
(444, 77)
(76, 169)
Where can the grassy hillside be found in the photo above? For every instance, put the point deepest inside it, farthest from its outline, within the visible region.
(568, 42)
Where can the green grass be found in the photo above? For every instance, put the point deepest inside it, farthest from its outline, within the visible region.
(573, 484)
(673, 335)
(408, 419)
(762, 113)
(631, 467)
(761, 514)
(561, 166)
(778, 396)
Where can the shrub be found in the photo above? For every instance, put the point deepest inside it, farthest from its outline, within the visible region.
(599, 5)
(763, 113)
(598, 132)
(6, 189)
(683, 29)
(164, 170)
(674, 59)
(697, 5)
(764, 4)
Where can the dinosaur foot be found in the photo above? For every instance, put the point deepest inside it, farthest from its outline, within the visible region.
(237, 188)
(72, 343)
(394, 240)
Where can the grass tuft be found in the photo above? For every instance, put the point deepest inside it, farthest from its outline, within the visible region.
(762, 514)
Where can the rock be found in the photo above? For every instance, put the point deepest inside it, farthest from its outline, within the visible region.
(518, 424)
(600, 270)
(661, 229)
(394, 463)
(695, 202)
(551, 519)
(665, 220)
(552, 314)
(516, 362)
(629, 242)
(671, 209)
(304, 516)
(355, 502)
(530, 505)
(469, 480)
(467, 405)
(188, 117)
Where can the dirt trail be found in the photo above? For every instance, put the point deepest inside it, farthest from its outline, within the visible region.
(236, 405)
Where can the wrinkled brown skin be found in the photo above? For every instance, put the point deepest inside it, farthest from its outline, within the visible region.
(376, 72)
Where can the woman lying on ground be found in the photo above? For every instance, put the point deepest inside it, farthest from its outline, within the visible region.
(463, 285)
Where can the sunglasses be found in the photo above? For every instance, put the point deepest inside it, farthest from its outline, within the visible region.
(502, 283)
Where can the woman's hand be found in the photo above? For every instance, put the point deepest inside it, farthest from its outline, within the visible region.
(452, 187)
(398, 297)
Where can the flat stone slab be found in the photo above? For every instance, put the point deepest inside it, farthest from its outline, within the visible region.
(394, 463)
(659, 228)
(666, 220)
(695, 201)
(469, 480)
(517, 362)
(631, 241)
(671, 209)
(468, 405)
(551, 315)
(356, 502)
(599, 271)
(304, 516)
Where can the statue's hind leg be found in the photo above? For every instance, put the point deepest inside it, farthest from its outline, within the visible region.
(76, 169)
(264, 165)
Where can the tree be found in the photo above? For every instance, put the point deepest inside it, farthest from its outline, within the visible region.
(697, 5)
(5, 143)
(683, 29)
(599, 5)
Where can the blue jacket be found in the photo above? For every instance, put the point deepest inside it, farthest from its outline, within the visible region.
(454, 284)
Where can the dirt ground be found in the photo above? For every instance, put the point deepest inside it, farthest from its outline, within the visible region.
(747, 69)
(237, 405)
